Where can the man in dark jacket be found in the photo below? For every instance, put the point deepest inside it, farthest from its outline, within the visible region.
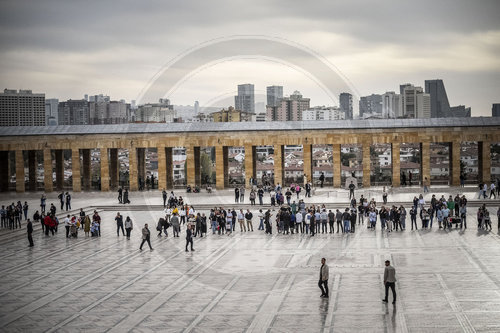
(189, 238)
(146, 236)
(29, 228)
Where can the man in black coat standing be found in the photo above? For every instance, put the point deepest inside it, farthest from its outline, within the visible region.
(29, 228)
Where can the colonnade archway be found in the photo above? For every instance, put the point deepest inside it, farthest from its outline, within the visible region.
(371, 156)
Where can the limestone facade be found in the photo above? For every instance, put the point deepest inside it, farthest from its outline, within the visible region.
(192, 141)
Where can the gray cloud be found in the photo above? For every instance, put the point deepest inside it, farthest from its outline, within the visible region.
(129, 40)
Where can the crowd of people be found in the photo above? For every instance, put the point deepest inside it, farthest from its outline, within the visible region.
(285, 215)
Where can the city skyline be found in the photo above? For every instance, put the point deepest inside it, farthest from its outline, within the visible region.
(54, 51)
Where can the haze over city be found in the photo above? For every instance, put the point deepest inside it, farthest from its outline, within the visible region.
(67, 49)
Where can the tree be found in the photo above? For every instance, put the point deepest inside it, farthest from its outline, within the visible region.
(206, 168)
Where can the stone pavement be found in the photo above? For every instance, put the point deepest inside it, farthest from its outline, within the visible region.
(448, 281)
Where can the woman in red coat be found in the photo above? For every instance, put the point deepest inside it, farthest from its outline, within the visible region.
(50, 224)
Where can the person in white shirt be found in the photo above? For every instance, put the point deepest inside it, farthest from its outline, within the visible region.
(182, 215)
(261, 216)
(67, 225)
(307, 221)
(168, 213)
(298, 223)
(485, 190)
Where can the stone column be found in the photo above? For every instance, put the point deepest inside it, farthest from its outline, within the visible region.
(19, 171)
(197, 166)
(59, 169)
(278, 164)
(141, 165)
(425, 161)
(221, 170)
(4, 171)
(337, 166)
(32, 166)
(86, 169)
(114, 168)
(455, 163)
(191, 167)
(162, 169)
(396, 164)
(133, 172)
(169, 167)
(75, 166)
(48, 182)
(104, 169)
(484, 161)
(250, 161)
(219, 167)
(366, 164)
(307, 159)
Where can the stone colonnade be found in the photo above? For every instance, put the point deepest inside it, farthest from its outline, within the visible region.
(108, 144)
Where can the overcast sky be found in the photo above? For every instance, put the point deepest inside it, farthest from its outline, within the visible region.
(70, 48)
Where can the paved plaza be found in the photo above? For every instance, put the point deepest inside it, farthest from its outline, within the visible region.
(447, 281)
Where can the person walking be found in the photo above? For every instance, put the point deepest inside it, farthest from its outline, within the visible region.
(119, 224)
(389, 281)
(29, 229)
(68, 201)
(146, 236)
(189, 238)
(128, 226)
(120, 195)
(323, 278)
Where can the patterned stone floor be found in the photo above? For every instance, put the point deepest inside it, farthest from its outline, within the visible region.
(250, 282)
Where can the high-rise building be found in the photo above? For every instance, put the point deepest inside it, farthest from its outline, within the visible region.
(370, 106)
(391, 105)
(345, 102)
(274, 95)
(74, 112)
(415, 103)
(245, 101)
(22, 108)
(196, 107)
(495, 110)
(162, 112)
(98, 98)
(289, 108)
(440, 106)
(323, 113)
(51, 111)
